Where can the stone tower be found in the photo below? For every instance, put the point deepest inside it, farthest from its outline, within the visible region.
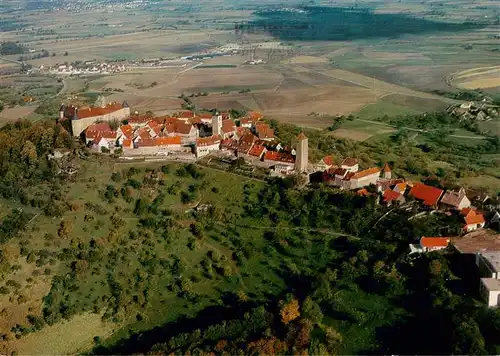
(386, 172)
(302, 157)
(217, 124)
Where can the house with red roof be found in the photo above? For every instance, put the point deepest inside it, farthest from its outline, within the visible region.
(189, 133)
(83, 117)
(206, 145)
(149, 146)
(325, 163)
(473, 219)
(390, 197)
(350, 164)
(102, 131)
(355, 180)
(285, 159)
(228, 128)
(184, 115)
(264, 131)
(427, 194)
(257, 151)
(428, 244)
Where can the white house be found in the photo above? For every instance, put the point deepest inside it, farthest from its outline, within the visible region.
(428, 244)
(454, 199)
(204, 146)
(473, 220)
(350, 165)
(488, 264)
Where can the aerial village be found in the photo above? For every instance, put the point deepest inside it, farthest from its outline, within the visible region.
(189, 137)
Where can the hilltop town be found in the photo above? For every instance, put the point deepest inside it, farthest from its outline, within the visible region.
(195, 136)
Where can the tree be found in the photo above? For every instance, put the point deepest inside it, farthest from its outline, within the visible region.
(290, 311)
(28, 153)
(312, 311)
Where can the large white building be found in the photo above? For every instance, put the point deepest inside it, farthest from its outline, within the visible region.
(489, 268)
(204, 146)
(81, 118)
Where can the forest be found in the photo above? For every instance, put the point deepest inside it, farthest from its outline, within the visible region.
(315, 23)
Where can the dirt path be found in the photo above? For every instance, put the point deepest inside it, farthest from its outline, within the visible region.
(419, 130)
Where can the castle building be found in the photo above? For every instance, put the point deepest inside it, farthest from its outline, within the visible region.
(217, 125)
(81, 118)
(302, 158)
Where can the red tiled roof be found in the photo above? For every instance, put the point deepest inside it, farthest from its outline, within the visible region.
(328, 160)
(204, 115)
(229, 143)
(184, 114)
(340, 172)
(153, 125)
(101, 130)
(429, 195)
(138, 119)
(366, 172)
(247, 120)
(466, 211)
(178, 126)
(83, 113)
(434, 241)
(264, 131)
(279, 157)
(472, 219)
(160, 141)
(241, 131)
(207, 141)
(254, 115)
(228, 126)
(143, 133)
(390, 195)
(363, 192)
(471, 216)
(127, 130)
(349, 162)
(386, 168)
(195, 120)
(256, 150)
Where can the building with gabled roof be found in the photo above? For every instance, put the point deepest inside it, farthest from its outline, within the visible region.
(427, 194)
(206, 145)
(100, 130)
(434, 243)
(228, 128)
(390, 197)
(257, 151)
(456, 199)
(83, 117)
(473, 220)
(272, 157)
(386, 171)
(264, 131)
(325, 163)
(355, 180)
(488, 264)
(350, 164)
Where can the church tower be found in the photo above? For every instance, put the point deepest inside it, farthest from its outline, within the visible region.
(302, 158)
(386, 171)
(217, 124)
